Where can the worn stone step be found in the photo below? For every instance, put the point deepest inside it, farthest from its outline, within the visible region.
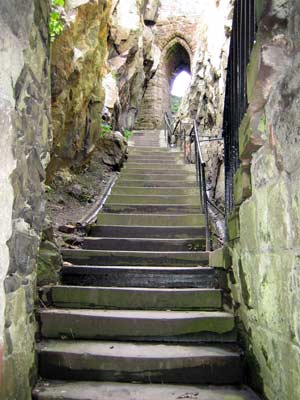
(162, 158)
(137, 325)
(140, 277)
(148, 199)
(155, 184)
(159, 232)
(135, 258)
(64, 390)
(160, 150)
(128, 362)
(142, 244)
(134, 298)
(145, 191)
(150, 208)
(151, 219)
(158, 167)
(156, 161)
(164, 173)
(145, 142)
(156, 177)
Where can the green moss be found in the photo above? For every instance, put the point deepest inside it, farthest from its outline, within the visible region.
(233, 225)
(253, 68)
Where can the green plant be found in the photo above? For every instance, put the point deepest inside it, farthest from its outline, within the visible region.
(48, 189)
(105, 129)
(175, 103)
(127, 134)
(55, 23)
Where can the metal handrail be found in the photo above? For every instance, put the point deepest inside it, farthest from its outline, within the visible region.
(205, 203)
(172, 129)
(201, 180)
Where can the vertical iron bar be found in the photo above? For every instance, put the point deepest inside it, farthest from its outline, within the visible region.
(205, 206)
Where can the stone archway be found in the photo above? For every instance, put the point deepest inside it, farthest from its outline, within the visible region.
(176, 57)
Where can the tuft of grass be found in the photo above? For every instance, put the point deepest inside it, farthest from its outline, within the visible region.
(105, 130)
(127, 134)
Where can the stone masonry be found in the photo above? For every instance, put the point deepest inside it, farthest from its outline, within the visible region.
(186, 24)
(264, 229)
(25, 138)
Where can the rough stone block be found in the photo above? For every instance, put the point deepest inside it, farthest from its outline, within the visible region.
(220, 258)
(233, 225)
(242, 184)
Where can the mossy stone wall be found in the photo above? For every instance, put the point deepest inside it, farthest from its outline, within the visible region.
(265, 279)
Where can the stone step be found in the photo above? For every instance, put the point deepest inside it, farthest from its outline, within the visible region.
(128, 362)
(131, 166)
(151, 219)
(140, 277)
(150, 208)
(135, 258)
(159, 232)
(162, 172)
(155, 184)
(145, 191)
(158, 151)
(159, 161)
(156, 177)
(134, 298)
(63, 390)
(155, 150)
(142, 244)
(148, 199)
(138, 325)
(161, 158)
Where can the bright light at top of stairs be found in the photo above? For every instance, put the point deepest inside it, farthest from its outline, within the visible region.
(181, 84)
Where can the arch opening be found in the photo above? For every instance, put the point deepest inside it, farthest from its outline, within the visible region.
(178, 74)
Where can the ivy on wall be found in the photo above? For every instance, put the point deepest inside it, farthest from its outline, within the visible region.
(55, 23)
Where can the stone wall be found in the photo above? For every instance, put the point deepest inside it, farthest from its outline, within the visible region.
(188, 24)
(104, 57)
(264, 229)
(133, 58)
(26, 135)
(78, 64)
(205, 100)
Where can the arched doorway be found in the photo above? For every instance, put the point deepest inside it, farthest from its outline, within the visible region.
(178, 69)
(175, 59)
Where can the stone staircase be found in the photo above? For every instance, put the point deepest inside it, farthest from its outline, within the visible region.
(138, 315)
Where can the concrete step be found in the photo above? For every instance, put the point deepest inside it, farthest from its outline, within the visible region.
(145, 191)
(150, 209)
(159, 232)
(151, 219)
(128, 362)
(138, 325)
(63, 390)
(133, 298)
(142, 244)
(156, 177)
(148, 199)
(140, 277)
(135, 258)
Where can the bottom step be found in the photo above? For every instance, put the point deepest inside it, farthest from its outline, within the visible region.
(120, 391)
(144, 363)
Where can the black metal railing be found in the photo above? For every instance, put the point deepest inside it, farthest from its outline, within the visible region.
(173, 130)
(236, 102)
(188, 136)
